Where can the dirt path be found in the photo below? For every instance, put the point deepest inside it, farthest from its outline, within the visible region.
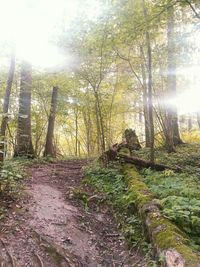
(48, 228)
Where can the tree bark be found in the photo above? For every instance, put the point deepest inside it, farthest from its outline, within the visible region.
(88, 129)
(100, 119)
(171, 79)
(49, 147)
(189, 123)
(150, 101)
(24, 146)
(198, 119)
(145, 107)
(76, 134)
(6, 105)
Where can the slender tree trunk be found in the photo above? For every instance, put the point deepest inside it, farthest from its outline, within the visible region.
(189, 123)
(198, 119)
(76, 135)
(99, 137)
(150, 101)
(24, 146)
(49, 147)
(169, 134)
(6, 102)
(171, 78)
(88, 126)
(100, 120)
(79, 148)
(145, 107)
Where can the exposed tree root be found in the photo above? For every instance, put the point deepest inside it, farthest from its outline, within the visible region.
(57, 252)
(39, 259)
(8, 254)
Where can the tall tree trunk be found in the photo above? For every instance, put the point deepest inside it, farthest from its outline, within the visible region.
(49, 147)
(4, 121)
(88, 128)
(145, 106)
(24, 146)
(76, 135)
(99, 137)
(198, 119)
(150, 101)
(189, 123)
(79, 149)
(171, 78)
(100, 120)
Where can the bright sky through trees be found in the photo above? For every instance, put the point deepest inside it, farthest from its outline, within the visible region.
(33, 26)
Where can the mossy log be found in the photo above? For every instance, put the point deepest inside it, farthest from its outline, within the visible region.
(169, 242)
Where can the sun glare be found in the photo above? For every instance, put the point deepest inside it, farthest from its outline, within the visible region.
(187, 102)
(188, 79)
(32, 25)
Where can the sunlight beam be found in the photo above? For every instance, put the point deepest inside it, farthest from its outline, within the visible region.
(34, 25)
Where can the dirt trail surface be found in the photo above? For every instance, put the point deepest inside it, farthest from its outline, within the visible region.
(47, 227)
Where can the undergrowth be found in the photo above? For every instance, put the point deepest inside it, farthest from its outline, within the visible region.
(187, 157)
(11, 182)
(110, 182)
(179, 193)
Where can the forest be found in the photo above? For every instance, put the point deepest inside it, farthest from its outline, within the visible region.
(100, 133)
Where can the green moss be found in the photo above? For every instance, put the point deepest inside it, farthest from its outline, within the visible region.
(141, 194)
(166, 235)
(124, 151)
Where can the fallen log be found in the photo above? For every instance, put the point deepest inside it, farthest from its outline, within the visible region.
(117, 152)
(171, 245)
(147, 164)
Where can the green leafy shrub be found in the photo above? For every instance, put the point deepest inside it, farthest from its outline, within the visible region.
(179, 196)
(11, 176)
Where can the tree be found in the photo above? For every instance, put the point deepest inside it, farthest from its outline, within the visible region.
(149, 86)
(6, 104)
(145, 102)
(24, 146)
(49, 147)
(173, 126)
(198, 119)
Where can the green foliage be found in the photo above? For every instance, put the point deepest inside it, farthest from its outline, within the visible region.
(179, 192)
(78, 193)
(110, 182)
(11, 179)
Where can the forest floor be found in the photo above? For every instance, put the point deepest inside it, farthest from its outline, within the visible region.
(48, 227)
(179, 193)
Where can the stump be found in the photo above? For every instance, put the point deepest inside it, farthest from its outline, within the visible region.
(132, 141)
